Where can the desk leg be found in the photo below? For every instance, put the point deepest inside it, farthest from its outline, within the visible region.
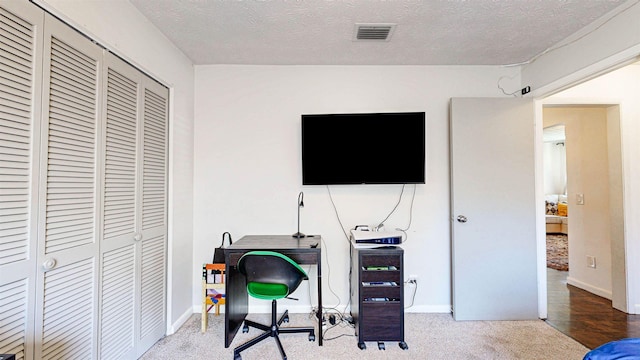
(236, 303)
(319, 314)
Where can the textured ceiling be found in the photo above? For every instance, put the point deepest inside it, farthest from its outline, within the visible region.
(320, 32)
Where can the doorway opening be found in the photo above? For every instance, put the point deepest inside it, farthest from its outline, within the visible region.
(591, 205)
(555, 189)
(593, 288)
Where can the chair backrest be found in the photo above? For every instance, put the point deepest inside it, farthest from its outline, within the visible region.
(270, 275)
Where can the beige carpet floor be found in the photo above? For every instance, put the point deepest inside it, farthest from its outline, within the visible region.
(429, 336)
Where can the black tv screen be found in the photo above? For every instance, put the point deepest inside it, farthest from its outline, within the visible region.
(381, 148)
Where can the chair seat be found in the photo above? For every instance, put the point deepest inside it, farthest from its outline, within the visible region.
(267, 291)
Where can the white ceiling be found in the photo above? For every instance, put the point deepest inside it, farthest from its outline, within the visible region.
(320, 32)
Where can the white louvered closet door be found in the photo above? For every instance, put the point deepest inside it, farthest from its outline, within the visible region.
(133, 247)
(66, 316)
(20, 101)
(153, 219)
(119, 250)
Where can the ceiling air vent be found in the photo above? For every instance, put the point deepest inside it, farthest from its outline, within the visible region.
(373, 32)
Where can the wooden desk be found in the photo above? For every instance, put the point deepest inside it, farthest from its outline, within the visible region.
(237, 300)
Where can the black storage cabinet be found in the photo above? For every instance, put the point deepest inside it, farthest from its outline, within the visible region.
(377, 295)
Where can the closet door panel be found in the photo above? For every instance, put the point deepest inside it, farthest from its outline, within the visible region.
(121, 135)
(66, 325)
(154, 184)
(119, 249)
(21, 31)
(14, 321)
(153, 294)
(117, 332)
(154, 214)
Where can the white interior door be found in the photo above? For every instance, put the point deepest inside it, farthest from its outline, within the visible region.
(493, 209)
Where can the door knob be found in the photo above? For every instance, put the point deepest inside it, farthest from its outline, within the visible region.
(462, 219)
(137, 237)
(49, 264)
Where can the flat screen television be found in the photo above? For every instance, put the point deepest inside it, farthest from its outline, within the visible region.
(380, 148)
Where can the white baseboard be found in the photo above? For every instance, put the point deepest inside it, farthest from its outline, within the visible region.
(592, 289)
(440, 309)
(181, 320)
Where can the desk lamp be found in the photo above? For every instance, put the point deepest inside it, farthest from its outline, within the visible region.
(300, 205)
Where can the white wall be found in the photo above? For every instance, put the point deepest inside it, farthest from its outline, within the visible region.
(621, 87)
(118, 25)
(248, 165)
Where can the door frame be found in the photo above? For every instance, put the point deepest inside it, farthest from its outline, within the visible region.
(618, 294)
(540, 100)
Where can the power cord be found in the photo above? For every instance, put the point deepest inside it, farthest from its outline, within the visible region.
(413, 197)
(381, 224)
(514, 94)
(342, 315)
(413, 282)
(335, 210)
(338, 320)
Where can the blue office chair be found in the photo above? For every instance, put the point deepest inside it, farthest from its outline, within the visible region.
(624, 349)
(270, 276)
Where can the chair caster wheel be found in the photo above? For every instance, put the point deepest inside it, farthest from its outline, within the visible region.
(285, 318)
(312, 337)
(380, 345)
(362, 345)
(403, 345)
(237, 357)
(245, 329)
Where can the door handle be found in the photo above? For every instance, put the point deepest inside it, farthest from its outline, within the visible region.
(462, 219)
(137, 237)
(49, 264)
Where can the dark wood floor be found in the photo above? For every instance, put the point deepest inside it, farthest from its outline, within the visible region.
(587, 318)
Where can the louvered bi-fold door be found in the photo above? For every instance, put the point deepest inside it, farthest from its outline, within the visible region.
(153, 220)
(20, 101)
(119, 251)
(154, 214)
(66, 320)
(133, 247)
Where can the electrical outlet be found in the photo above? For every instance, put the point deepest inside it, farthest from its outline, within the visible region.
(413, 279)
